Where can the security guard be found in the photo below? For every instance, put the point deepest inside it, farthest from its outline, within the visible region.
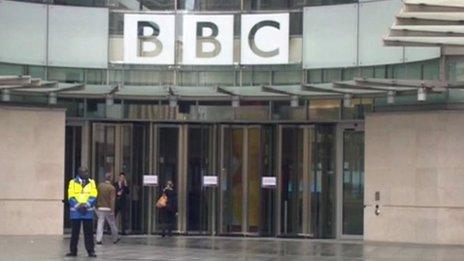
(82, 195)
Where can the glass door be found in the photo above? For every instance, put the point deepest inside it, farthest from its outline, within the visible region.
(73, 147)
(166, 158)
(352, 182)
(295, 180)
(119, 148)
(201, 161)
(245, 207)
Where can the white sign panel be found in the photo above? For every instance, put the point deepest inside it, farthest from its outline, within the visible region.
(149, 39)
(208, 39)
(265, 38)
(150, 180)
(210, 181)
(268, 182)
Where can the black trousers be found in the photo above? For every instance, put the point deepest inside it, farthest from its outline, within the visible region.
(121, 209)
(88, 235)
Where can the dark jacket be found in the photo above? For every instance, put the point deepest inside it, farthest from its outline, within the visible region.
(172, 200)
(124, 192)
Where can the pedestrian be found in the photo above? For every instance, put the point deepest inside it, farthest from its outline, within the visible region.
(122, 192)
(168, 212)
(82, 195)
(105, 209)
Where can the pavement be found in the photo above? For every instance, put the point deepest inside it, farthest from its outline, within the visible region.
(224, 248)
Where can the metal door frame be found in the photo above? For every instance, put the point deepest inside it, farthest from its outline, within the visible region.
(307, 154)
(341, 127)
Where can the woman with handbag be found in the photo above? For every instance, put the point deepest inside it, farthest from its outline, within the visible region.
(167, 205)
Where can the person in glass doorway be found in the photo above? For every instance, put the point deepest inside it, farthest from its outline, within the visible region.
(168, 212)
(122, 193)
(105, 209)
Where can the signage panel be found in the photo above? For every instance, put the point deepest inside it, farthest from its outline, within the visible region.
(150, 180)
(149, 39)
(210, 181)
(265, 38)
(269, 182)
(207, 39)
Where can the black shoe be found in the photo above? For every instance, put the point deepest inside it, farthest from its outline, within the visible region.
(99, 243)
(92, 254)
(71, 254)
(117, 240)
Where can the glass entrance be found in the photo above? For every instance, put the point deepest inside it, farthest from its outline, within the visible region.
(295, 175)
(201, 160)
(245, 207)
(73, 147)
(167, 162)
(353, 182)
(120, 148)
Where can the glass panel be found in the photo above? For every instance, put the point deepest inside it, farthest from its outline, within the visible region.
(225, 5)
(104, 142)
(353, 182)
(97, 3)
(292, 180)
(95, 76)
(252, 112)
(147, 77)
(96, 108)
(268, 195)
(286, 77)
(324, 109)
(187, 78)
(254, 180)
(431, 70)
(222, 78)
(37, 71)
(198, 202)
(168, 141)
(74, 107)
(359, 107)
(68, 75)
(139, 166)
(315, 76)
(11, 69)
(232, 180)
(323, 185)
(73, 142)
(158, 4)
(331, 75)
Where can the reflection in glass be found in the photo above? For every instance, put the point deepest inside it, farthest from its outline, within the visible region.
(198, 203)
(323, 182)
(168, 141)
(104, 141)
(292, 180)
(353, 182)
(232, 180)
(324, 109)
(254, 179)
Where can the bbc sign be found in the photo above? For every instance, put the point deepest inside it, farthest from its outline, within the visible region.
(206, 39)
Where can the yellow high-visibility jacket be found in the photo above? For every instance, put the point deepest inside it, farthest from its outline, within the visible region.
(82, 195)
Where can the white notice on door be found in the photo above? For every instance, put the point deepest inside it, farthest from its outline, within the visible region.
(268, 182)
(150, 180)
(210, 181)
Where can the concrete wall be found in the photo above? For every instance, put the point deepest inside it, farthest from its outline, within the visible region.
(416, 161)
(31, 170)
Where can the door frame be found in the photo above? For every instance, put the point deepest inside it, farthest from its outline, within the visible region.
(307, 154)
(340, 130)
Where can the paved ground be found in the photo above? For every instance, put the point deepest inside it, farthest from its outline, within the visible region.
(220, 248)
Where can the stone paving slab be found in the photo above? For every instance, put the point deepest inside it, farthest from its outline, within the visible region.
(225, 249)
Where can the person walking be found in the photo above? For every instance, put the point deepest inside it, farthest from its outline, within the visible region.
(168, 212)
(82, 195)
(105, 209)
(122, 192)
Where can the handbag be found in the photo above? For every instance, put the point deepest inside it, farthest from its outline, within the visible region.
(162, 201)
